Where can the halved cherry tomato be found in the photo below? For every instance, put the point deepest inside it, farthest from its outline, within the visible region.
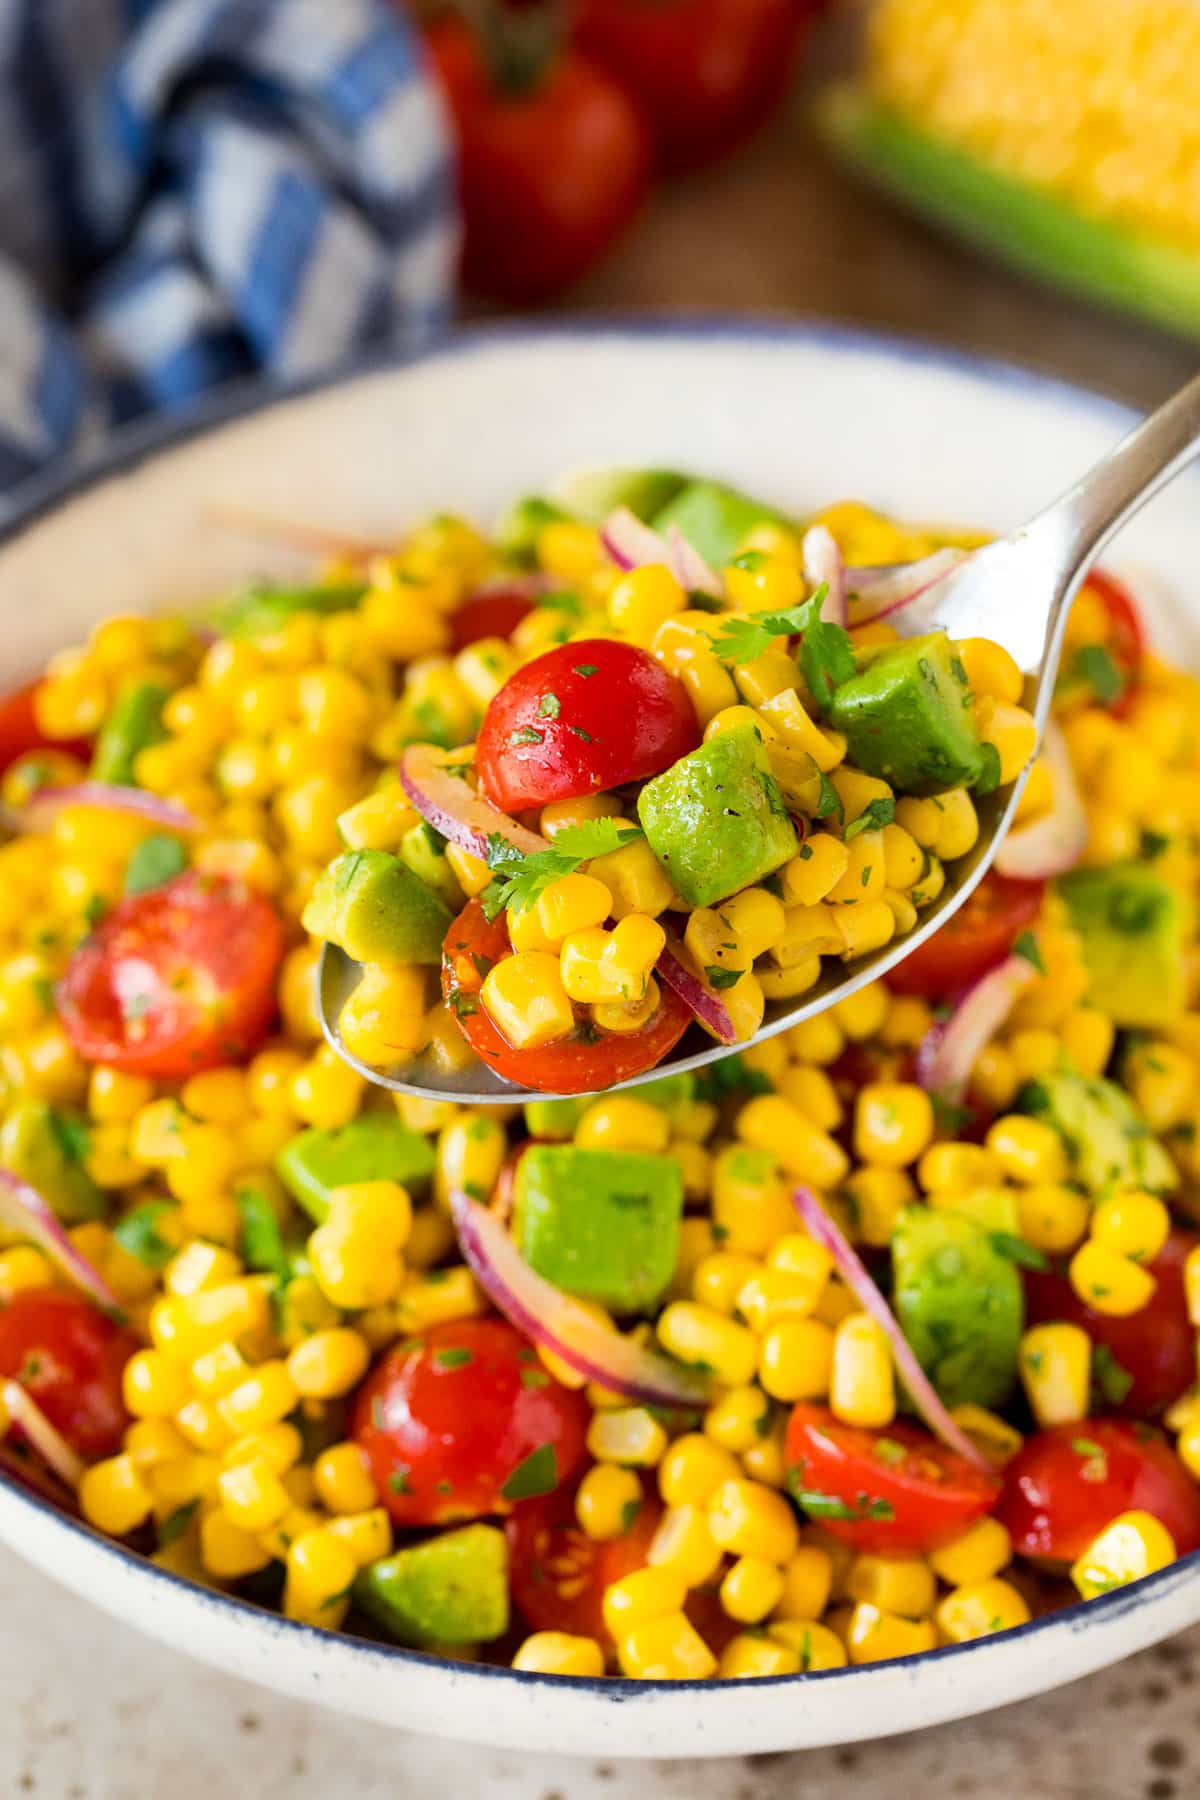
(553, 156)
(1155, 1348)
(1066, 1484)
(707, 72)
(496, 612)
(20, 731)
(896, 1492)
(581, 1064)
(70, 1357)
(176, 979)
(558, 1574)
(466, 1411)
(981, 934)
(581, 719)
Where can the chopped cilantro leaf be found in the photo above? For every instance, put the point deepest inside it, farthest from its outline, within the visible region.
(874, 817)
(1017, 1250)
(1028, 947)
(723, 978)
(549, 706)
(536, 1474)
(524, 878)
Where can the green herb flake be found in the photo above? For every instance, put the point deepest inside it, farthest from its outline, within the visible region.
(887, 1450)
(586, 669)
(176, 1523)
(874, 816)
(398, 1481)
(723, 978)
(629, 1513)
(829, 805)
(262, 1240)
(1016, 1250)
(138, 1233)
(522, 879)
(525, 735)
(536, 1474)
(549, 706)
(155, 860)
(453, 1358)
(1113, 1381)
(1027, 947)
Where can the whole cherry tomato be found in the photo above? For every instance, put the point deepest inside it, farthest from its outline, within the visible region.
(980, 934)
(558, 1574)
(466, 1422)
(581, 719)
(1066, 1484)
(583, 1063)
(1151, 1354)
(20, 731)
(70, 1357)
(494, 612)
(896, 1492)
(707, 72)
(553, 161)
(176, 979)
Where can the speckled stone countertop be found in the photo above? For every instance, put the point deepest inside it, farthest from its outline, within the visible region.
(93, 1711)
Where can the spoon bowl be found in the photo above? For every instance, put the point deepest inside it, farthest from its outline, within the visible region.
(1016, 591)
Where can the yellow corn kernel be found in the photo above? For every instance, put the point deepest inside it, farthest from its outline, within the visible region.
(573, 903)
(1133, 1545)
(791, 721)
(633, 877)
(623, 1123)
(896, 1584)
(684, 1544)
(525, 997)
(154, 1386)
(23, 1268)
(791, 1292)
(598, 965)
(974, 1558)
(558, 1653)
(751, 1589)
(992, 1436)
(1109, 1282)
(991, 671)
(113, 1497)
(1163, 1082)
(696, 1335)
(378, 822)
(862, 1389)
(379, 1210)
(470, 1153)
(328, 1364)
(641, 601)
(353, 1270)
(748, 1518)
(950, 1166)
(199, 1267)
(815, 871)
(904, 913)
(612, 1015)
(185, 1326)
(320, 1570)
(252, 1494)
(1051, 1217)
(342, 1479)
(152, 1442)
(772, 1124)
(367, 1535)
(807, 1584)
(1011, 731)
(864, 879)
(876, 1636)
(719, 1279)
(607, 1501)
(626, 1434)
(115, 1098)
(157, 1133)
(1133, 1224)
(693, 1468)
(739, 1419)
(665, 1648)
(893, 1123)
(796, 1360)
(752, 1657)
(325, 1093)
(816, 1646)
(646, 1594)
(980, 1609)
(264, 1398)
(765, 1460)
(226, 1550)
(1055, 1365)
(219, 1371)
(1027, 1149)
(1087, 1037)
(454, 1294)
(867, 927)
(877, 1196)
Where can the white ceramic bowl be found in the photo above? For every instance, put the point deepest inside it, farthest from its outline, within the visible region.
(800, 414)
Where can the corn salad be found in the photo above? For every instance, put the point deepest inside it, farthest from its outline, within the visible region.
(298, 1391)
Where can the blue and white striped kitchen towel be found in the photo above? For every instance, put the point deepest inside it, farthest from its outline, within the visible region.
(194, 189)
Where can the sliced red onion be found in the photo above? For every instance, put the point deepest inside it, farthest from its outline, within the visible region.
(297, 534)
(849, 1266)
(560, 1324)
(24, 1211)
(630, 544)
(883, 593)
(46, 804)
(43, 1438)
(675, 969)
(1056, 841)
(453, 807)
(948, 1051)
(823, 563)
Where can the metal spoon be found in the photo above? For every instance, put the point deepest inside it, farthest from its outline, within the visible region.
(1017, 591)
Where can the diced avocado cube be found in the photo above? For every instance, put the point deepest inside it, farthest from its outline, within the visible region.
(715, 519)
(554, 1119)
(960, 1303)
(372, 904)
(520, 526)
(603, 1224)
(716, 819)
(134, 723)
(907, 716)
(452, 1589)
(47, 1148)
(1107, 1141)
(424, 852)
(374, 1147)
(1134, 928)
(592, 494)
(262, 610)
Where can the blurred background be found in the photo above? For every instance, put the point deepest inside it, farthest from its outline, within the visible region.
(195, 190)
